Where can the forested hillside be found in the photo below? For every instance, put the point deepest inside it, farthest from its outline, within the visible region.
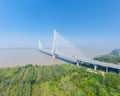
(57, 80)
(112, 57)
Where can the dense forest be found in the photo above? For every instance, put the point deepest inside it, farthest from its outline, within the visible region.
(57, 80)
(112, 57)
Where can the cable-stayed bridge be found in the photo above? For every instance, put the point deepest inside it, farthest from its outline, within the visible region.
(55, 53)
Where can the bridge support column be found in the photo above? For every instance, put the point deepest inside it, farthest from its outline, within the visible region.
(118, 71)
(106, 69)
(53, 55)
(95, 67)
(78, 63)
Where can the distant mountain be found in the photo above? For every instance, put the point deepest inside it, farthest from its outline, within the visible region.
(112, 57)
(115, 52)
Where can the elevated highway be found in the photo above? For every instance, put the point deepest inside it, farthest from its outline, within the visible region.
(78, 61)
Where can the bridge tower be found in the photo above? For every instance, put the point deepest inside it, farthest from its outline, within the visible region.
(40, 45)
(53, 47)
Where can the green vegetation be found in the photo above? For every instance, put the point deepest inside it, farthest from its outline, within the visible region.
(57, 80)
(113, 57)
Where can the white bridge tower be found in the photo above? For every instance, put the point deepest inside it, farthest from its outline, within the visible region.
(40, 45)
(53, 47)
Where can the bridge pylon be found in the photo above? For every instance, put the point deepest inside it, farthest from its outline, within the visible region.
(54, 40)
(40, 45)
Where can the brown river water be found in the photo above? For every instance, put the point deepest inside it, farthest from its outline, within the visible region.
(9, 58)
(21, 57)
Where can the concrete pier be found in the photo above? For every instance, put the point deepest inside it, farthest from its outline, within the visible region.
(95, 67)
(106, 69)
(53, 55)
(118, 71)
(78, 62)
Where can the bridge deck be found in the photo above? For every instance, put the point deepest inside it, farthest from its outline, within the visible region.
(74, 60)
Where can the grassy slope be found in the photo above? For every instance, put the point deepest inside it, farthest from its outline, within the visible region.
(56, 80)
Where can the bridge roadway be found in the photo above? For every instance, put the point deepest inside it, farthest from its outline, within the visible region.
(77, 61)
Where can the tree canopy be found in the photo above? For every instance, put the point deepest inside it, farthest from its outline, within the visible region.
(57, 80)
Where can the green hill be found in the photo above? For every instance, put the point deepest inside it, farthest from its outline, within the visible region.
(115, 52)
(112, 57)
(57, 80)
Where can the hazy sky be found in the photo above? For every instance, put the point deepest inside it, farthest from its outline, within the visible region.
(84, 22)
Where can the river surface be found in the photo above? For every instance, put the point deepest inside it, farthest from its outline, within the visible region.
(21, 57)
